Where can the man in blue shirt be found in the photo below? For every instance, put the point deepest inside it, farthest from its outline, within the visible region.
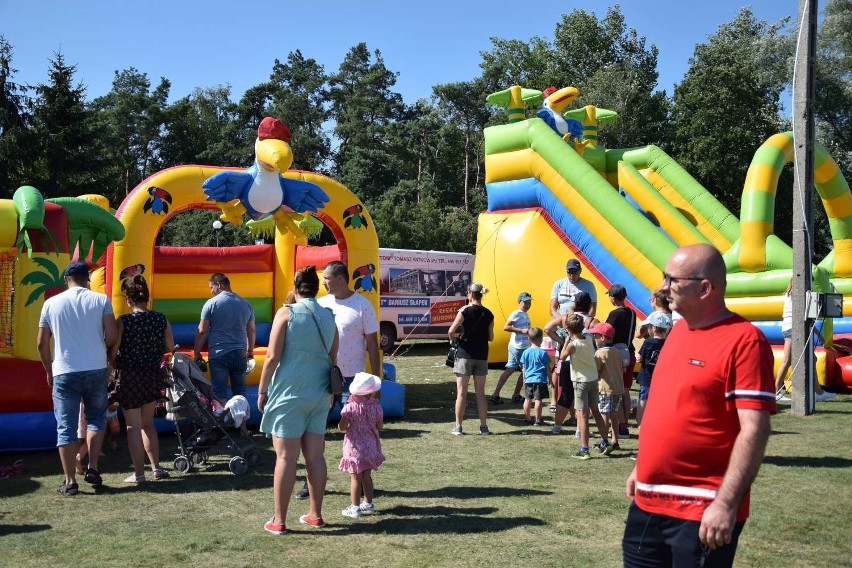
(227, 326)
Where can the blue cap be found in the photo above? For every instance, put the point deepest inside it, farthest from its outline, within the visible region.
(573, 264)
(76, 269)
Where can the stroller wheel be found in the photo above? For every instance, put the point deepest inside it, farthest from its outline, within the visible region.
(182, 464)
(238, 465)
(253, 456)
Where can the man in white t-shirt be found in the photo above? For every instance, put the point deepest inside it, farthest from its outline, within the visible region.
(82, 326)
(356, 323)
(564, 290)
(357, 327)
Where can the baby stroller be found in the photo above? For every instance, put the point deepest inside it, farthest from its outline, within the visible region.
(189, 397)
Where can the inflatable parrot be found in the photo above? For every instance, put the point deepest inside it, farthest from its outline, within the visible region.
(262, 190)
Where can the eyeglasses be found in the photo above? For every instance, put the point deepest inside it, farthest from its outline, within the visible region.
(669, 279)
(573, 271)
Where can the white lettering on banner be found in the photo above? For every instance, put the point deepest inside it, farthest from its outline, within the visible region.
(413, 318)
(403, 302)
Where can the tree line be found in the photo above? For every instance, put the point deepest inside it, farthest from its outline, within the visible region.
(419, 167)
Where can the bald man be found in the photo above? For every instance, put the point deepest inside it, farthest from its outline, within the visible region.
(705, 426)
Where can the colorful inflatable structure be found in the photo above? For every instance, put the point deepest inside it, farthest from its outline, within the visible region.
(38, 238)
(554, 196)
(31, 264)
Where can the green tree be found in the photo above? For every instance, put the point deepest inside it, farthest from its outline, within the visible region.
(464, 111)
(206, 128)
(517, 62)
(298, 90)
(833, 85)
(14, 137)
(610, 63)
(132, 118)
(362, 107)
(68, 157)
(727, 105)
(194, 228)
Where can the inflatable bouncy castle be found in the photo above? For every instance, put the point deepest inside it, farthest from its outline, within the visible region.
(39, 237)
(554, 194)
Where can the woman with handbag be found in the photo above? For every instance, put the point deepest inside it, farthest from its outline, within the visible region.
(294, 397)
(471, 331)
(137, 356)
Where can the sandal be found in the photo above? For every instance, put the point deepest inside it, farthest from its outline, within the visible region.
(68, 489)
(93, 477)
(135, 479)
(78, 465)
(160, 473)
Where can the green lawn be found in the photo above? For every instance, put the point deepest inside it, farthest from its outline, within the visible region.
(511, 499)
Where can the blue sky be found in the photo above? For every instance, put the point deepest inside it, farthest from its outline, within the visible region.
(197, 44)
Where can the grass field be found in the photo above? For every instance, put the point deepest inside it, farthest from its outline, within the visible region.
(511, 499)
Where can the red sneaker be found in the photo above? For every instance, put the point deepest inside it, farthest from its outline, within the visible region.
(307, 520)
(273, 527)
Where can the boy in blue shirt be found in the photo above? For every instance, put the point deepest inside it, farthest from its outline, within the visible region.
(535, 364)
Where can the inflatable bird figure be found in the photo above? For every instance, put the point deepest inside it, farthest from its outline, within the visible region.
(555, 102)
(262, 190)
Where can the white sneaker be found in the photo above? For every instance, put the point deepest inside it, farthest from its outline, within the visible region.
(352, 511)
(824, 395)
(367, 509)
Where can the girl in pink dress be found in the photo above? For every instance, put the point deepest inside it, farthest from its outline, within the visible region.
(360, 421)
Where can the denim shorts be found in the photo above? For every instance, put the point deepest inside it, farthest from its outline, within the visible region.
(788, 334)
(69, 389)
(231, 364)
(514, 361)
(643, 392)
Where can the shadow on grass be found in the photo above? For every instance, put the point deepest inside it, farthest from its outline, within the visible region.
(17, 487)
(214, 479)
(463, 492)
(22, 529)
(792, 461)
(441, 520)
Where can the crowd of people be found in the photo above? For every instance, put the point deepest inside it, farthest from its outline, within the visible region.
(715, 385)
(705, 389)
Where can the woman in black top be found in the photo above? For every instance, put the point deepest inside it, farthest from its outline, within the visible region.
(472, 330)
(143, 337)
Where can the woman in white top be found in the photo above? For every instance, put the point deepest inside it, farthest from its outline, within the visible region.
(787, 334)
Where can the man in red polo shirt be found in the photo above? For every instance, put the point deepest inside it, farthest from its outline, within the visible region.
(705, 426)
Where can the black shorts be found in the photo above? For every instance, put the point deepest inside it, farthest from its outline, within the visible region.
(566, 393)
(535, 391)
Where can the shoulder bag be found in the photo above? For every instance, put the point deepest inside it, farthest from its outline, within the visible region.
(335, 375)
(451, 356)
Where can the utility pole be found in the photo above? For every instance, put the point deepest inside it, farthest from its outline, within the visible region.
(803, 223)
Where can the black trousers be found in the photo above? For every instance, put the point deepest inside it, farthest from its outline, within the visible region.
(652, 540)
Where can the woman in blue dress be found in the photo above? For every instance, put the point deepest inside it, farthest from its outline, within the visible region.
(293, 395)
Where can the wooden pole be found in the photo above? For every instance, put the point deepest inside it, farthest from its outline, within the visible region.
(802, 354)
